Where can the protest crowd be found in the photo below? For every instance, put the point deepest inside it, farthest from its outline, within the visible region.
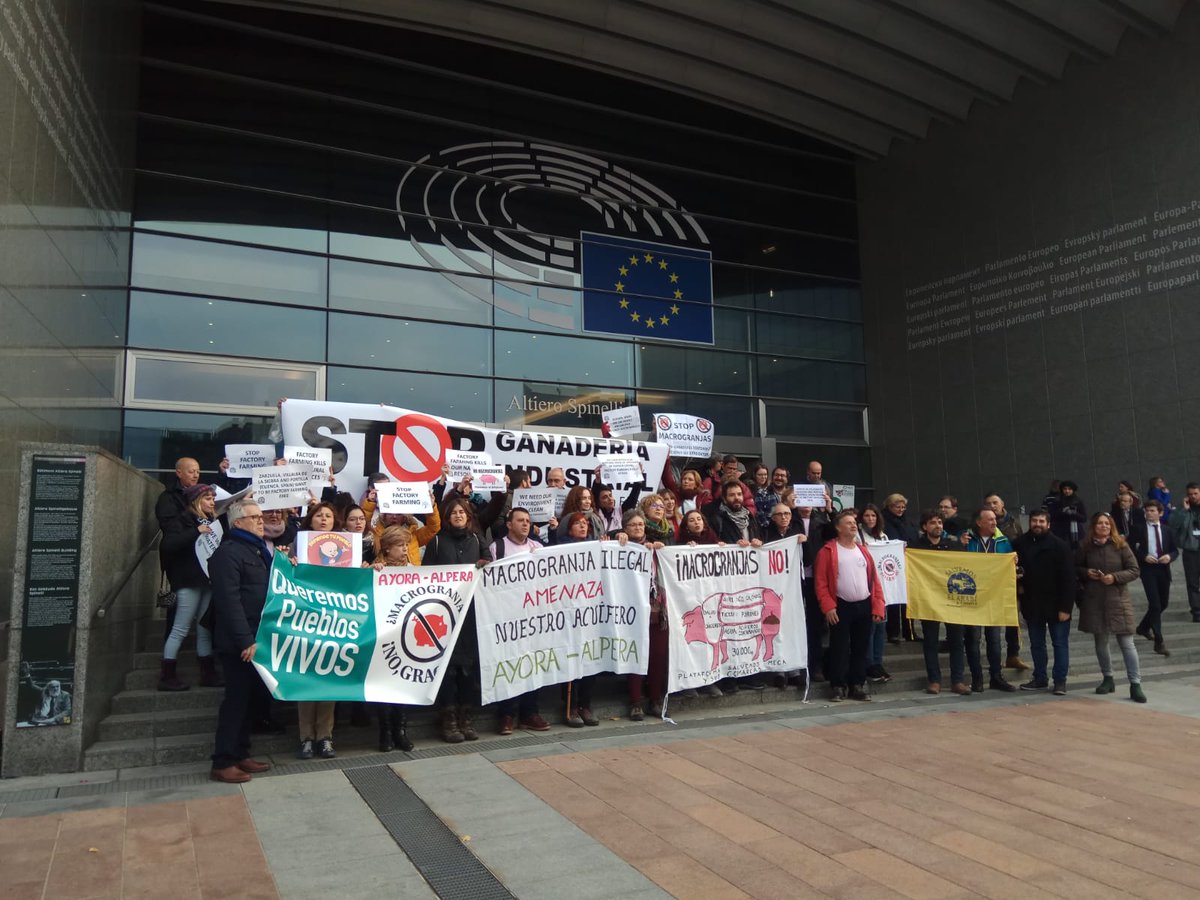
(1065, 559)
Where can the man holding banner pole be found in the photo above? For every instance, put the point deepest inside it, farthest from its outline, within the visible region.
(987, 538)
(851, 598)
(962, 651)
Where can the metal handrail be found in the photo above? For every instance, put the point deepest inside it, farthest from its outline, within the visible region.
(116, 592)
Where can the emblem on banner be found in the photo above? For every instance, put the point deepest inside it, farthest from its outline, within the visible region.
(426, 626)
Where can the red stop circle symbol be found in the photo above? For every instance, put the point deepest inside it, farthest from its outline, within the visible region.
(416, 451)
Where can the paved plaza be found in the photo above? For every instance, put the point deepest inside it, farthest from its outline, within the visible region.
(1000, 796)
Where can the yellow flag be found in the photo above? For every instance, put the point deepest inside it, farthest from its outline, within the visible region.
(962, 588)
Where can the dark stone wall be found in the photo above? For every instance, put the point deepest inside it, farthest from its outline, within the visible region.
(1031, 287)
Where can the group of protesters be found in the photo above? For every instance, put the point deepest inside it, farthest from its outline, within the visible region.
(1065, 558)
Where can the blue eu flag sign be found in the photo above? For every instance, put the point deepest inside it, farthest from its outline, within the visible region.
(644, 289)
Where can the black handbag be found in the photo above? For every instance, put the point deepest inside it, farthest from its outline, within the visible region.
(166, 596)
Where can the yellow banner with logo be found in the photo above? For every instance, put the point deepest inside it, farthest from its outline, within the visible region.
(962, 588)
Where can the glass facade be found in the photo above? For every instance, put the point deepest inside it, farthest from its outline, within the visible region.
(388, 220)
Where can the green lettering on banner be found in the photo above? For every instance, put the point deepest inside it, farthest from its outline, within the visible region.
(317, 631)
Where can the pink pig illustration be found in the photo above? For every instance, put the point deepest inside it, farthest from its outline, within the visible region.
(752, 614)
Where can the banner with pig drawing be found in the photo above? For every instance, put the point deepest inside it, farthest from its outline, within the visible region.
(733, 611)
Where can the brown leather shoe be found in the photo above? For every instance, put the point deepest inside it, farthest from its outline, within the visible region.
(1015, 662)
(933, 688)
(506, 725)
(229, 775)
(959, 688)
(254, 766)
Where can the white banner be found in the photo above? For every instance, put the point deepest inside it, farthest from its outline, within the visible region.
(623, 421)
(733, 611)
(411, 446)
(843, 497)
(207, 544)
(561, 613)
(403, 497)
(340, 549)
(690, 437)
(245, 458)
(889, 566)
(282, 487)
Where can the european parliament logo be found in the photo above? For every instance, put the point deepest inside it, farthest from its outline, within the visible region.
(644, 289)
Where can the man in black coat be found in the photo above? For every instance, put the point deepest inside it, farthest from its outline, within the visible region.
(1155, 549)
(729, 517)
(239, 571)
(1046, 595)
(1068, 514)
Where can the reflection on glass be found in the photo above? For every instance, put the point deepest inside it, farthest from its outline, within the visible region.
(540, 356)
(811, 379)
(543, 406)
(732, 416)
(395, 343)
(455, 397)
(538, 307)
(815, 422)
(689, 369)
(397, 291)
(227, 270)
(308, 239)
(817, 338)
(154, 440)
(401, 250)
(170, 322)
(220, 382)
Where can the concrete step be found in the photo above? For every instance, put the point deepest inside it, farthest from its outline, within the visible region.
(147, 700)
(167, 750)
(152, 659)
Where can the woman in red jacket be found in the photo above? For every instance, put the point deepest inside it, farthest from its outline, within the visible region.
(851, 598)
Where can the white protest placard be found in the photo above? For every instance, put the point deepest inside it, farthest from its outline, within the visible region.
(282, 487)
(539, 502)
(843, 497)
(245, 458)
(622, 421)
(318, 459)
(811, 495)
(340, 549)
(889, 566)
(687, 436)
(561, 613)
(560, 500)
(403, 497)
(732, 611)
(620, 468)
(488, 478)
(208, 542)
(461, 461)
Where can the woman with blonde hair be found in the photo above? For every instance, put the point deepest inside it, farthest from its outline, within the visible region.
(392, 550)
(1105, 564)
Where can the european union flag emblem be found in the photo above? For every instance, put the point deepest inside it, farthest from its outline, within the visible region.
(639, 288)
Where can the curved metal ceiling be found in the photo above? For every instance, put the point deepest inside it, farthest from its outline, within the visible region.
(856, 73)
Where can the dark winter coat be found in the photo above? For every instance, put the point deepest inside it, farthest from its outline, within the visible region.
(1105, 608)
(1047, 586)
(239, 575)
(899, 528)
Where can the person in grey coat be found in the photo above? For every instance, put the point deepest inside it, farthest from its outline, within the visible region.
(1105, 564)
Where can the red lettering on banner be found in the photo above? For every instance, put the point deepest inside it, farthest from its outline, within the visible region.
(429, 465)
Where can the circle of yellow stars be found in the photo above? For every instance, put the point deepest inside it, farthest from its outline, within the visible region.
(650, 260)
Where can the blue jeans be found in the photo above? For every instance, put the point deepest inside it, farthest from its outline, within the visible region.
(992, 636)
(190, 604)
(878, 640)
(960, 652)
(1060, 635)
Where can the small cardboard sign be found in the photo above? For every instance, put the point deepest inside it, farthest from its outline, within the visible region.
(488, 478)
(245, 458)
(622, 421)
(340, 549)
(403, 497)
(282, 487)
(811, 495)
(461, 462)
(690, 437)
(540, 502)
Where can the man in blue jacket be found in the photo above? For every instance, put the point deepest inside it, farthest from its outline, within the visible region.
(239, 571)
(986, 538)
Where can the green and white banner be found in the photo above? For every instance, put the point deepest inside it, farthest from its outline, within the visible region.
(357, 634)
